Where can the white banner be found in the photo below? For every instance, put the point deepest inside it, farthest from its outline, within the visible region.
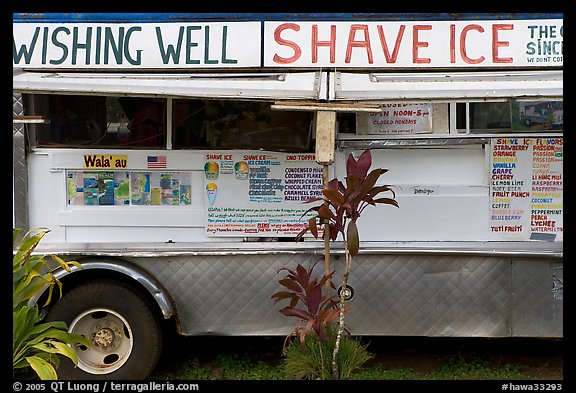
(133, 45)
(296, 44)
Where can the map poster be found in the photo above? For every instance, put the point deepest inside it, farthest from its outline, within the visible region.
(259, 194)
(526, 189)
(109, 188)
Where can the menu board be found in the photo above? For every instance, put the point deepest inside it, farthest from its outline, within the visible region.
(526, 189)
(259, 194)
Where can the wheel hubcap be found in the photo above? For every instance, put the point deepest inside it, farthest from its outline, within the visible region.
(111, 340)
(103, 337)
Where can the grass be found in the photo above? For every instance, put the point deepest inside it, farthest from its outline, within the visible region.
(243, 367)
(314, 360)
(234, 358)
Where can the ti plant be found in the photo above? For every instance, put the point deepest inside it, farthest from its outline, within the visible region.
(341, 208)
(35, 344)
(319, 310)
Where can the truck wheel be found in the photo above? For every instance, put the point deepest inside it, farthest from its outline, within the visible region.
(125, 335)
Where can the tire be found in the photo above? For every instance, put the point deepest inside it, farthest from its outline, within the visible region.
(125, 334)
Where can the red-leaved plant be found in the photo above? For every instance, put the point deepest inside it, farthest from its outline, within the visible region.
(318, 311)
(341, 208)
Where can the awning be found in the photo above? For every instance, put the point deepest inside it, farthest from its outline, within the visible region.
(339, 86)
(449, 86)
(276, 86)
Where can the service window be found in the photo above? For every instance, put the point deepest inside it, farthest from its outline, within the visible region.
(99, 121)
(137, 122)
(511, 116)
(226, 124)
(397, 120)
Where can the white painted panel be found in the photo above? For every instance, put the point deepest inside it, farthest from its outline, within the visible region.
(132, 216)
(443, 195)
(422, 218)
(111, 234)
(433, 166)
(46, 197)
(442, 192)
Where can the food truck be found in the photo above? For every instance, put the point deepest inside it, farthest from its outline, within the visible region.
(172, 155)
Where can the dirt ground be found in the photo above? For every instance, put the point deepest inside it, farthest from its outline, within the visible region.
(539, 359)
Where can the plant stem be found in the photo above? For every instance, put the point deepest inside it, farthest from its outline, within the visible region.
(335, 373)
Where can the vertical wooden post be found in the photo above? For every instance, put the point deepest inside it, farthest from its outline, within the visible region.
(326, 235)
(325, 137)
(325, 140)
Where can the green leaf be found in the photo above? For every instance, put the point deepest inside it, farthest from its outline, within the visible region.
(23, 321)
(27, 247)
(34, 344)
(352, 239)
(57, 347)
(66, 265)
(15, 235)
(43, 369)
(28, 288)
(42, 327)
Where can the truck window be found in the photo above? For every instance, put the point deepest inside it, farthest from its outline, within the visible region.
(489, 117)
(226, 124)
(511, 116)
(138, 122)
(98, 121)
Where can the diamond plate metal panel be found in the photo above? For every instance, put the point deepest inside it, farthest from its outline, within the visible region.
(19, 166)
(537, 298)
(226, 295)
(430, 296)
(420, 295)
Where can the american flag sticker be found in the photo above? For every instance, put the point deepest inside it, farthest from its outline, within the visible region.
(156, 161)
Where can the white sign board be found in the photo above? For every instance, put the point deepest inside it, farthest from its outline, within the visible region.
(495, 43)
(133, 45)
(526, 189)
(295, 44)
(259, 193)
(396, 119)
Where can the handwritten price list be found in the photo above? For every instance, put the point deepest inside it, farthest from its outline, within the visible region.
(526, 188)
(262, 195)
